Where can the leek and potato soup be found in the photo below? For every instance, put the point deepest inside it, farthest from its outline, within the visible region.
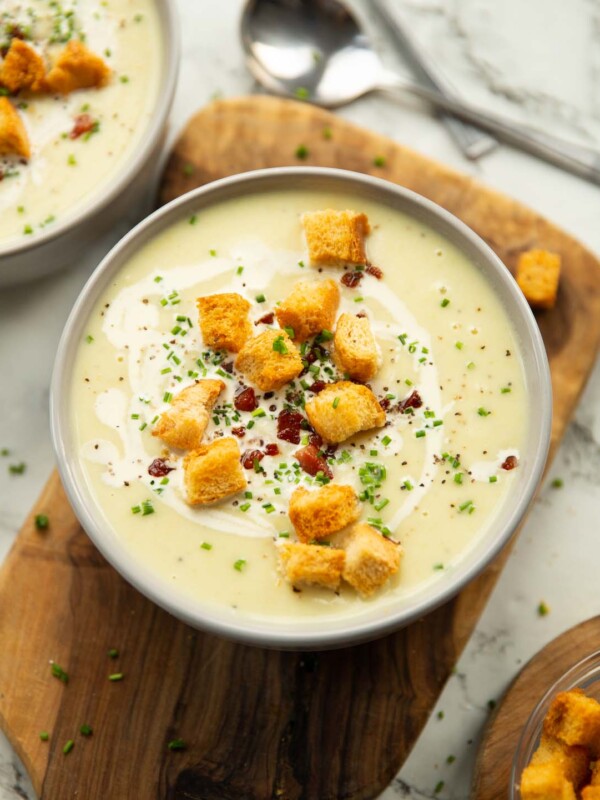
(299, 403)
(78, 84)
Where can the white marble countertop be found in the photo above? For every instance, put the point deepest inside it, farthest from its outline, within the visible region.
(537, 62)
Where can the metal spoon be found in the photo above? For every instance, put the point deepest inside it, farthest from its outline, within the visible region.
(315, 50)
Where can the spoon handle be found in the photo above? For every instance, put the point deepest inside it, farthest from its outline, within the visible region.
(472, 141)
(580, 160)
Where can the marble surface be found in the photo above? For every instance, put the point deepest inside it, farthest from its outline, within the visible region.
(500, 56)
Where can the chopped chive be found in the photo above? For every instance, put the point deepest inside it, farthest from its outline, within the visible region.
(557, 483)
(505, 390)
(408, 382)
(467, 506)
(213, 253)
(284, 534)
(471, 365)
(116, 676)
(327, 133)
(438, 788)
(86, 730)
(450, 759)
(58, 672)
(44, 736)
(113, 653)
(483, 412)
(244, 506)
(290, 332)
(381, 504)
(407, 485)
(41, 522)
(167, 397)
(492, 479)
(206, 546)
(239, 270)
(445, 302)
(459, 345)
(358, 299)
(440, 715)
(89, 338)
(188, 170)
(279, 346)
(302, 93)
(240, 564)
(336, 402)
(259, 412)
(458, 477)
(177, 744)
(147, 508)
(379, 161)
(385, 441)
(543, 610)
(193, 219)
(420, 434)
(69, 745)
(438, 567)
(437, 423)
(302, 151)
(260, 298)
(301, 263)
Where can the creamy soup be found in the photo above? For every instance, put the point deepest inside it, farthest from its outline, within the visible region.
(443, 468)
(79, 140)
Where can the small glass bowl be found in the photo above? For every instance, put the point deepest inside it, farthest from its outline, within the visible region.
(583, 675)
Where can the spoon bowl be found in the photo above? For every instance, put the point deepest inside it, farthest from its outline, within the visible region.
(309, 49)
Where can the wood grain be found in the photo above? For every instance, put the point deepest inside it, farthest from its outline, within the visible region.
(493, 768)
(258, 724)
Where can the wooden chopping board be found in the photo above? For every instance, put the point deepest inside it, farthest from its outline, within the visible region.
(494, 761)
(258, 724)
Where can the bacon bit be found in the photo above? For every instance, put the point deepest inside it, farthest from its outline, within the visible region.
(83, 124)
(361, 314)
(375, 271)
(239, 432)
(245, 399)
(510, 463)
(249, 457)
(412, 401)
(317, 387)
(271, 450)
(289, 424)
(315, 440)
(351, 279)
(311, 462)
(268, 319)
(159, 468)
(227, 366)
(385, 403)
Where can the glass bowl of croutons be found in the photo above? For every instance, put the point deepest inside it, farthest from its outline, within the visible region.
(558, 754)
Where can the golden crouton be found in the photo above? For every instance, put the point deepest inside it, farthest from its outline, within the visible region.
(574, 718)
(336, 237)
(23, 69)
(316, 515)
(371, 559)
(538, 272)
(183, 424)
(224, 321)
(356, 351)
(312, 565)
(270, 360)
(309, 309)
(213, 471)
(343, 409)
(13, 136)
(572, 760)
(590, 793)
(545, 782)
(76, 68)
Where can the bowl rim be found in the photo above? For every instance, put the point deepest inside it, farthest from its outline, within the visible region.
(133, 163)
(345, 631)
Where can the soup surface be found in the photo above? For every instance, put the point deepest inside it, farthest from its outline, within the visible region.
(443, 468)
(79, 140)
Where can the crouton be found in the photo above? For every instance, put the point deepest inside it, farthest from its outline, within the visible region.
(545, 782)
(538, 272)
(213, 472)
(590, 793)
(309, 309)
(23, 69)
(184, 423)
(13, 136)
(572, 760)
(317, 514)
(342, 409)
(356, 351)
(76, 68)
(270, 360)
(574, 718)
(336, 237)
(371, 559)
(311, 565)
(224, 321)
